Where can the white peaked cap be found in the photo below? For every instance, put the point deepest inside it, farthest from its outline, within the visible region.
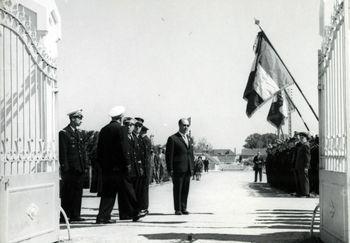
(116, 111)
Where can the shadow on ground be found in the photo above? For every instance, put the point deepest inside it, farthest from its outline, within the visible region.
(169, 214)
(272, 237)
(285, 219)
(265, 190)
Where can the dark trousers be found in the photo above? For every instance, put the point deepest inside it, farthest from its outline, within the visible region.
(181, 187)
(144, 200)
(127, 203)
(71, 193)
(106, 207)
(256, 172)
(303, 179)
(127, 199)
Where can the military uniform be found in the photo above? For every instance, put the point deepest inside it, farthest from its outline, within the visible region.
(145, 150)
(302, 165)
(115, 163)
(72, 157)
(130, 199)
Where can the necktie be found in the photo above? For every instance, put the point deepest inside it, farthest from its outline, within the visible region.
(185, 139)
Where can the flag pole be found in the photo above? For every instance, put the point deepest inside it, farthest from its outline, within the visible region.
(291, 101)
(257, 22)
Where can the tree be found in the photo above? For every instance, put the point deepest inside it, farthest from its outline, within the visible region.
(202, 145)
(257, 140)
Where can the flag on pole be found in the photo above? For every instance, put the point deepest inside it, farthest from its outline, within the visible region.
(278, 111)
(267, 77)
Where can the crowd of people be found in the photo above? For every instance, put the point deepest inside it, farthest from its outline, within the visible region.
(123, 162)
(292, 165)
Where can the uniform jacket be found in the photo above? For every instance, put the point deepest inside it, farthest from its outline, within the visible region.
(145, 148)
(179, 157)
(112, 148)
(72, 154)
(135, 156)
(303, 157)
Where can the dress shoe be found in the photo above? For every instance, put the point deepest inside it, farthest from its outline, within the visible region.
(145, 211)
(142, 214)
(106, 221)
(72, 220)
(185, 212)
(135, 218)
(178, 213)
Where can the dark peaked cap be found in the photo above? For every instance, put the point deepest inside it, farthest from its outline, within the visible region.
(304, 134)
(76, 113)
(139, 119)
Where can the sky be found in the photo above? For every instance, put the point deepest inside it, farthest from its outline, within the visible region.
(165, 59)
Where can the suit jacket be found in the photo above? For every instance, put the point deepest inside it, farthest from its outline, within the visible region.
(258, 162)
(179, 157)
(112, 148)
(303, 157)
(72, 154)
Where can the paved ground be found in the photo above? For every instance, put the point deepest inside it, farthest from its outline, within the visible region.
(224, 206)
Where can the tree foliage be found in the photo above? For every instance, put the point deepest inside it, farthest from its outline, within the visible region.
(202, 145)
(257, 140)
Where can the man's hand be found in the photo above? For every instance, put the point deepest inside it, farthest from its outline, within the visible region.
(306, 170)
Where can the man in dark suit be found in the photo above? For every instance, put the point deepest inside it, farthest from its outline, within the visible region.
(114, 160)
(257, 167)
(72, 157)
(302, 165)
(180, 162)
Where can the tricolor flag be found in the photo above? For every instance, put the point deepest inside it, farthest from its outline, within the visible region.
(278, 111)
(267, 77)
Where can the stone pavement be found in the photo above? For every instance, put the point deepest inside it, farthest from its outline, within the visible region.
(224, 206)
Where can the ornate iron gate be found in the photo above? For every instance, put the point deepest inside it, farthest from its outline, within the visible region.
(29, 188)
(334, 127)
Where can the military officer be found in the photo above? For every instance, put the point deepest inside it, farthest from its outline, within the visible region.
(145, 146)
(72, 158)
(136, 169)
(302, 165)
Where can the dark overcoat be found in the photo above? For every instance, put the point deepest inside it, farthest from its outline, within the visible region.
(112, 154)
(303, 157)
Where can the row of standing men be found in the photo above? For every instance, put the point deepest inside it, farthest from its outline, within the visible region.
(121, 150)
(293, 165)
(123, 155)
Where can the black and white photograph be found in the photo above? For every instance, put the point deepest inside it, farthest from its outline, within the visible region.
(174, 121)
